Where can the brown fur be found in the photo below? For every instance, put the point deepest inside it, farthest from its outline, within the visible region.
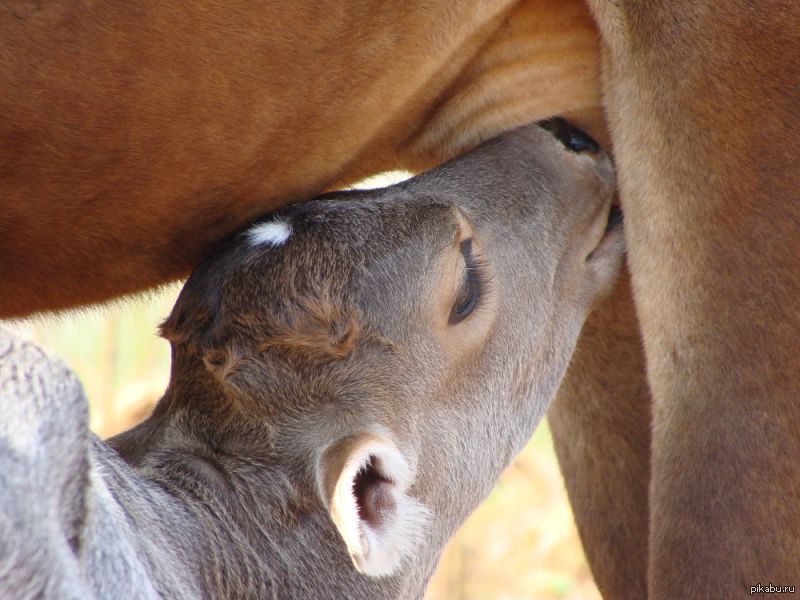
(139, 135)
(600, 423)
(702, 104)
(131, 137)
(318, 327)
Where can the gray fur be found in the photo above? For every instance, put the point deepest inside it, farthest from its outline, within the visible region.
(279, 353)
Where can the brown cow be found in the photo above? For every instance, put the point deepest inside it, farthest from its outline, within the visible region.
(141, 132)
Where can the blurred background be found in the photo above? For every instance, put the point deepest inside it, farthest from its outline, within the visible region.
(520, 544)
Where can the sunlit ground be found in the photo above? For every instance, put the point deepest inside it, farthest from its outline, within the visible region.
(520, 544)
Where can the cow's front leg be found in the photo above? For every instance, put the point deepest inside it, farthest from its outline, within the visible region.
(601, 428)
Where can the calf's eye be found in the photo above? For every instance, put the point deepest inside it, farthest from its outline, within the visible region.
(470, 291)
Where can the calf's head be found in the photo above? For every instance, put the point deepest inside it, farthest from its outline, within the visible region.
(393, 349)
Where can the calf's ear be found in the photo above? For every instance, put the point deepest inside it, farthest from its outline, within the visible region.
(365, 481)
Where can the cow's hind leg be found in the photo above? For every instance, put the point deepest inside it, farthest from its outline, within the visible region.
(702, 101)
(600, 422)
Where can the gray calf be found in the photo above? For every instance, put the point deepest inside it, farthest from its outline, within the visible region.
(349, 378)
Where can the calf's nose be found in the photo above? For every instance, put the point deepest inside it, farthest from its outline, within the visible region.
(573, 138)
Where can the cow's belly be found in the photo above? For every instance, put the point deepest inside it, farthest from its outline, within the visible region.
(132, 137)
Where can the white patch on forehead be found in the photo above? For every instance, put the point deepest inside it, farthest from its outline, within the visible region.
(271, 233)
